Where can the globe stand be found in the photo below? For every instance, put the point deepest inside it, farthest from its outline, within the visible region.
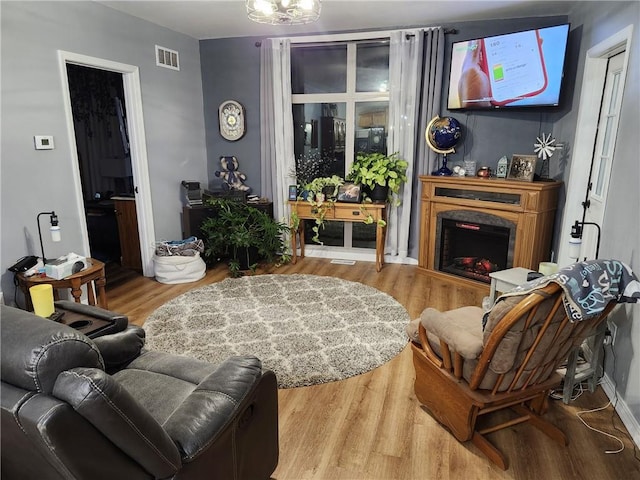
(443, 171)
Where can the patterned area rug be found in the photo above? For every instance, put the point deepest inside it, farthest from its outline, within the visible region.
(308, 329)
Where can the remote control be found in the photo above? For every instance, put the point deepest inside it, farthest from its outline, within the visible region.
(56, 316)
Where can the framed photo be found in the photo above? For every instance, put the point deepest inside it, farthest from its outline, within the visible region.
(349, 192)
(293, 192)
(523, 167)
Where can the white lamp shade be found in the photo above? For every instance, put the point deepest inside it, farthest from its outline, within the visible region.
(55, 233)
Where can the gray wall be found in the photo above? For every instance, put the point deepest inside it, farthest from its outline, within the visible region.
(231, 71)
(32, 104)
(621, 229)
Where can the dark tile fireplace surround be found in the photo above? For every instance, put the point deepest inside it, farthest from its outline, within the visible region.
(473, 226)
(473, 244)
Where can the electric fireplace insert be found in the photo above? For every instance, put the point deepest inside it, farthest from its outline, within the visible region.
(472, 244)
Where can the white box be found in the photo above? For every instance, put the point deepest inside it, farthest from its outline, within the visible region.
(65, 266)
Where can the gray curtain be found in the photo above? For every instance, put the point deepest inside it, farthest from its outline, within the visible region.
(276, 125)
(430, 98)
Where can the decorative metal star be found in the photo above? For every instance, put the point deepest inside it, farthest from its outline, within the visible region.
(545, 146)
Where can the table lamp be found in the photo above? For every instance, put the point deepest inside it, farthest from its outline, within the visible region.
(54, 229)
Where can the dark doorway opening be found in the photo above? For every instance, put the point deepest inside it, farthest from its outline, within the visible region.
(104, 160)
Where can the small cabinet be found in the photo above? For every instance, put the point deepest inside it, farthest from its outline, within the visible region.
(127, 219)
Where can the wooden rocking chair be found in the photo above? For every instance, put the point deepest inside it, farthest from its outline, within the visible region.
(464, 373)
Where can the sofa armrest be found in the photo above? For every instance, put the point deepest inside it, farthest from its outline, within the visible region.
(104, 403)
(215, 403)
(120, 321)
(460, 329)
(119, 349)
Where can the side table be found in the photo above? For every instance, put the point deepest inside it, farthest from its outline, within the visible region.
(342, 212)
(93, 273)
(505, 280)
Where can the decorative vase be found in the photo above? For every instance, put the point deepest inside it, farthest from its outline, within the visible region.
(443, 171)
(246, 257)
(379, 194)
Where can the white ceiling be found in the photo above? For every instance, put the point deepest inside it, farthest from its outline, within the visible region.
(227, 18)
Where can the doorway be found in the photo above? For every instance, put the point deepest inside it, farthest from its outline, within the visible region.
(593, 97)
(102, 145)
(139, 194)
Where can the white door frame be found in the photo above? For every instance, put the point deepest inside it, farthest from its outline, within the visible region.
(595, 70)
(138, 149)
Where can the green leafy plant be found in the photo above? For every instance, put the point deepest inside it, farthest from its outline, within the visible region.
(321, 193)
(368, 218)
(320, 185)
(371, 169)
(244, 235)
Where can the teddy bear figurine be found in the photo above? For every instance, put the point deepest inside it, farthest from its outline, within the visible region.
(230, 174)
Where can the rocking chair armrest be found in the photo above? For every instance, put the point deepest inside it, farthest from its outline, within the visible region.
(459, 329)
(426, 347)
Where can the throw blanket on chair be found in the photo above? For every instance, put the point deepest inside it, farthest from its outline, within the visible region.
(588, 287)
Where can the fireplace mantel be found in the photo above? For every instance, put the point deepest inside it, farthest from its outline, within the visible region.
(530, 206)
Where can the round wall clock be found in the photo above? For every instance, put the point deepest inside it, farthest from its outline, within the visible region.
(232, 122)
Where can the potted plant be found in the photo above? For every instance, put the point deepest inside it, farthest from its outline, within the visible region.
(382, 174)
(321, 193)
(244, 235)
(323, 188)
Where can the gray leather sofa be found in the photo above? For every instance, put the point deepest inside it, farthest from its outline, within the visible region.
(76, 408)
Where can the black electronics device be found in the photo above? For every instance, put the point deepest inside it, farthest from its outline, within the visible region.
(24, 264)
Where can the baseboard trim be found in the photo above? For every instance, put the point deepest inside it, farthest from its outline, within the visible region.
(622, 409)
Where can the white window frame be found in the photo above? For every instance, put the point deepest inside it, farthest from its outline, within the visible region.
(349, 98)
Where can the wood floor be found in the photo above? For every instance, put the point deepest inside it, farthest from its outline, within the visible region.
(372, 427)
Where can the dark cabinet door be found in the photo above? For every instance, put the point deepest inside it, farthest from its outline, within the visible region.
(128, 233)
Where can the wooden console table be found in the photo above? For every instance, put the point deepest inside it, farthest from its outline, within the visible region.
(93, 273)
(343, 212)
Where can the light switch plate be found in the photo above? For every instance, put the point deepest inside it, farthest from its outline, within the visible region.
(43, 142)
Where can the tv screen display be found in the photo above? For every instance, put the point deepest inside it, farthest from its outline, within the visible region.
(521, 69)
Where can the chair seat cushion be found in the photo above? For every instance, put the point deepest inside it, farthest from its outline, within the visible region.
(161, 382)
(460, 328)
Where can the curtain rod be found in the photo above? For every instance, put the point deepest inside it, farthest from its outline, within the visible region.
(447, 31)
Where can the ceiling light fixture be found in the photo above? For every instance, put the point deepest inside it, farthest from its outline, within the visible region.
(283, 12)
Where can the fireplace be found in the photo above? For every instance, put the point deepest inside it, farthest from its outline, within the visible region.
(471, 226)
(472, 244)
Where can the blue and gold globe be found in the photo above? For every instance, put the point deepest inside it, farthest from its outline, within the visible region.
(443, 134)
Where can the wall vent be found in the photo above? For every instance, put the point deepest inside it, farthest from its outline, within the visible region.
(167, 58)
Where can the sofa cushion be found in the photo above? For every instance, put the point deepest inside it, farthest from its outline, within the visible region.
(113, 411)
(40, 349)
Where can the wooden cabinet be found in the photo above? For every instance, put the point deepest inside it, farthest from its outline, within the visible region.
(372, 119)
(527, 208)
(127, 218)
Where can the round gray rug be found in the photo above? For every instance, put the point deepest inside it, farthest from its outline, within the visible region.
(308, 329)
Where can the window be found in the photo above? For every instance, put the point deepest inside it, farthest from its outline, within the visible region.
(340, 96)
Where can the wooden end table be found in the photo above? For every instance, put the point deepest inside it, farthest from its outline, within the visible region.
(343, 212)
(93, 273)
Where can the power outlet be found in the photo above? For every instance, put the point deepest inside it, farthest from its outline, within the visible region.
(613, 330)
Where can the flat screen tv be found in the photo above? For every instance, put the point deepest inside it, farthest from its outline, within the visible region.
(520, 69)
